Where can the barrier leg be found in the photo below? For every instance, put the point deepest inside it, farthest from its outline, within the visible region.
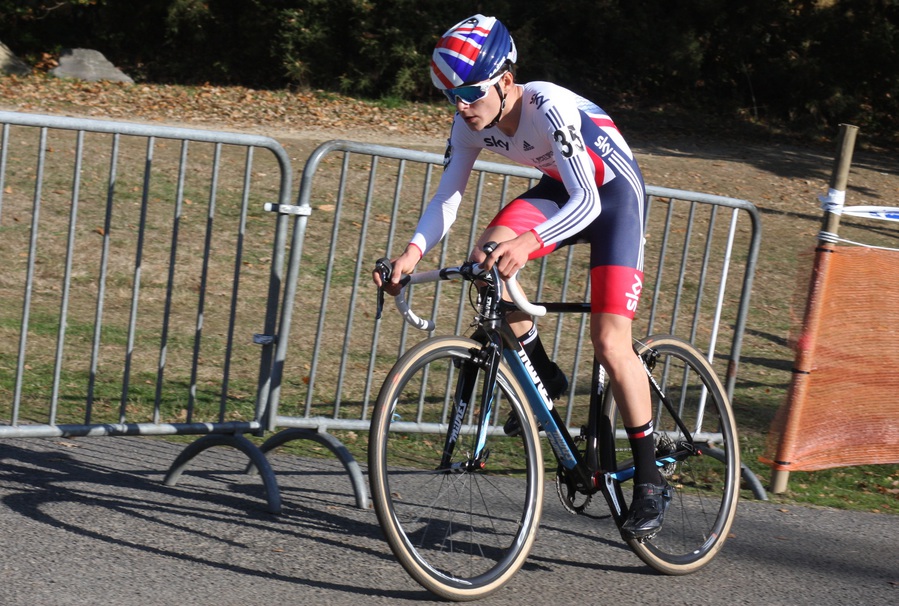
(334, 445)
(255, 454)
(746, 474)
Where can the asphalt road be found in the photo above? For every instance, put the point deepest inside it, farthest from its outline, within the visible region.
(89, 521)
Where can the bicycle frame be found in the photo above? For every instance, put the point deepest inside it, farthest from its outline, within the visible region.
(500, 341)
(593, 470)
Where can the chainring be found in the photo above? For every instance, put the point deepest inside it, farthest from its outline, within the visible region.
(572, 499)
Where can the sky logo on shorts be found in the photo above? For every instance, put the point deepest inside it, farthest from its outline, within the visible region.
(633, 297)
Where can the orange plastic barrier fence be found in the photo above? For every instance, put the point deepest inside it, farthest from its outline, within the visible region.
(842, 408)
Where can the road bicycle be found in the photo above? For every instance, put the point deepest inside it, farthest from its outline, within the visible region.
(460, 501)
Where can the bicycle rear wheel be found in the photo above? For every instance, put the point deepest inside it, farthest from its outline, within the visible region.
(460, 530)
(706, 483)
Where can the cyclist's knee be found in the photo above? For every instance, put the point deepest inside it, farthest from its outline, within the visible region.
(611, 336)
(612, 354)
(495, 233)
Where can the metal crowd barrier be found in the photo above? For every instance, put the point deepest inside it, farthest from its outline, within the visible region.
(701, 256)
(138, 264)
(151, 275)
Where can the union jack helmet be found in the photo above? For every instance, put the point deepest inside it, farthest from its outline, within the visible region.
(472, 51)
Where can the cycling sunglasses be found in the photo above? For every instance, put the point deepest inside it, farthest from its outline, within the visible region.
(471, 93)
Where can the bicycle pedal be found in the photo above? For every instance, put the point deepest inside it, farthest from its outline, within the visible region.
(641, 540)
(512, 426)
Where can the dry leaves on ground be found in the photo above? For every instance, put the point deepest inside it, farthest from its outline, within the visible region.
(234, 107)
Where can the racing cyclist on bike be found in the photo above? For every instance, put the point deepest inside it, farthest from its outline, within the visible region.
(592, 191)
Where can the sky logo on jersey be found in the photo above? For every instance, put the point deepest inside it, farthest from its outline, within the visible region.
(616, 289)
(603, 145)
(492, 141)
(538, 100)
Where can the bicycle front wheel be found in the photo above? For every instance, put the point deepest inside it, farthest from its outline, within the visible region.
(706, 482)
(460, 527)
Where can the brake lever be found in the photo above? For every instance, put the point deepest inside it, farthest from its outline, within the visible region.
(385, 269)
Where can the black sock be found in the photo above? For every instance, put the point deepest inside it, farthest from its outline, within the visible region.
(554, 380)
(533, 347)
(644, 449)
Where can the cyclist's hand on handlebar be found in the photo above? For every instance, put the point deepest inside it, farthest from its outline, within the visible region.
(402, 265)
(511, 255)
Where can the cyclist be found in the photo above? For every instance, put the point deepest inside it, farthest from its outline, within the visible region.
(592, 191)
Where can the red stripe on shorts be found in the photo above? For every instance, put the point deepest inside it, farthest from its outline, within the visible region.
(520, 216)
(615, 289)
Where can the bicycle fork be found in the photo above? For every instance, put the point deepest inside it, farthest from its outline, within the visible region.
(486, 359)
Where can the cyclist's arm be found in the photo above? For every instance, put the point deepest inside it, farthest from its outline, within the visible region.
(441, 210)
(562, 125)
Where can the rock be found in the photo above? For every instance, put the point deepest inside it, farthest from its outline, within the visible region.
(10, 64)
(90, 65)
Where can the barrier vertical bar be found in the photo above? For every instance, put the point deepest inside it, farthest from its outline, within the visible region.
(4, 151)
(235, 281)
(170, 282)
(29, 277)
(135, 287)
(101, 282)
(67, 277)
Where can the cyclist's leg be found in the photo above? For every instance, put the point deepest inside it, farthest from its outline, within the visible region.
(519, 216)
(613, 345)
(616, 278)
(616, 261)
(522, 214)
(627, 379)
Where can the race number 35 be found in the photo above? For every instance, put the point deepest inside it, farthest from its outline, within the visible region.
(569, 140)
